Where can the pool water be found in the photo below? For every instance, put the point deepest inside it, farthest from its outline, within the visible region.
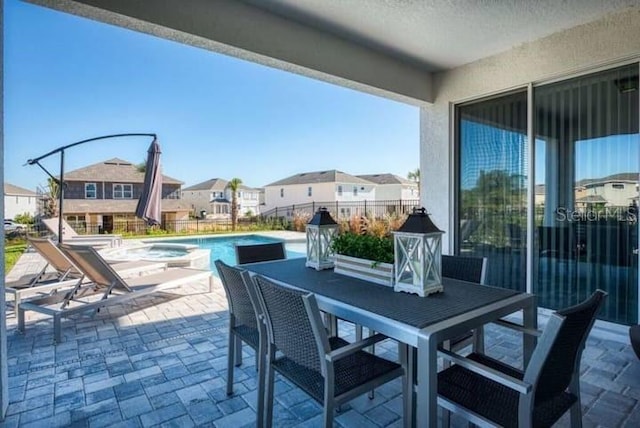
(223, 248)
(156, 252)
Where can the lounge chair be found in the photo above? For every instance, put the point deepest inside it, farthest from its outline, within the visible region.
(70, 236)
(64, 274)
(106, 288)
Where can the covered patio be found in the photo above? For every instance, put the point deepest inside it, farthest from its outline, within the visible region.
(161, 361)
(492, 65)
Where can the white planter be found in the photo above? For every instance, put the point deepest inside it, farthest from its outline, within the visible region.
(382, 273)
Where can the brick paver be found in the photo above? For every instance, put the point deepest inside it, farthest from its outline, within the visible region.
(161, 360)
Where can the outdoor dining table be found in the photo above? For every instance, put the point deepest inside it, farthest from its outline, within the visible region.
(418, 323)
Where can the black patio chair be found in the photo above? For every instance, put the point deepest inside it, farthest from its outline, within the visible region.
(329, 369)
(634, 337)
(245, 323)
(260, 252)
(488, 392)
(470, 269)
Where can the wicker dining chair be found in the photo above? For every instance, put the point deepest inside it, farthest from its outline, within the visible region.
(253, 253)
(329, 369)
(245, 323)
(488, 392)
(470, 269)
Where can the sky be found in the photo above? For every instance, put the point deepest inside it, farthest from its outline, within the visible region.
(69, 78)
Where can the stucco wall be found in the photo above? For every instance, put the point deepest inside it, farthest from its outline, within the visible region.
(608, 41)
(17, 204)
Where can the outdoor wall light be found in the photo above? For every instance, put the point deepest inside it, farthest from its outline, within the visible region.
(321, 230)
(418, 255)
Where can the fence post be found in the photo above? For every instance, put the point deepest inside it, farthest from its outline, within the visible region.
(365, 207)
(313, 207)
(337, 212)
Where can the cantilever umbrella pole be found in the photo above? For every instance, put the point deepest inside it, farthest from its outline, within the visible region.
(60, 181)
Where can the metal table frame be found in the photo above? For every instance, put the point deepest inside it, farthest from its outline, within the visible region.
(423, 364)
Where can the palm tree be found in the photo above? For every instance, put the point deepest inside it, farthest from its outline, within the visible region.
(415, 176)
(233, 185)
(51, 198)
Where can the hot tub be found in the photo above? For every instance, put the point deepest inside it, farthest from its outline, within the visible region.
(175, 255)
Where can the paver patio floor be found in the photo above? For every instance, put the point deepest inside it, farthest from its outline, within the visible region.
(161, 361)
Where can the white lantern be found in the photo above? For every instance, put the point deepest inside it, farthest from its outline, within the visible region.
(321, 230)
(418, 255)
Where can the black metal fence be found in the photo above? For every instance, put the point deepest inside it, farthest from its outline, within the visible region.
(343, 210)
(280, 218)
(140, 227)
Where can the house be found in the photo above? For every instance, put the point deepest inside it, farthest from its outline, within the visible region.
(214, 198)
(18, 200)
(104, 196)
(617, 190)
(392, 187)
(318, 186)
(510, 94)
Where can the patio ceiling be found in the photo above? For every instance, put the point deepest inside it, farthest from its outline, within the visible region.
(385, 47)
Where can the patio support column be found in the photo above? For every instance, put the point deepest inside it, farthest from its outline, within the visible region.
(4, 377)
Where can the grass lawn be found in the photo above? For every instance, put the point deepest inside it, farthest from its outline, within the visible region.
(11, 255)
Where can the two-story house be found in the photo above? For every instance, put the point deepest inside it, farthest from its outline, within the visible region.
(18, 200)
(107, 193)
(617, 190)
(393, 187)
(214, 198)
(319, 186)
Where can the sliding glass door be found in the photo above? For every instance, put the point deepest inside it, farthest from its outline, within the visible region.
(586, 149)
(587, 165)
(492, 186)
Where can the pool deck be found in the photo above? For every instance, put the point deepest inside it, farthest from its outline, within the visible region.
(161, 361)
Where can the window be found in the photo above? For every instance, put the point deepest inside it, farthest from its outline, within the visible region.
(617, 186)
(309, 191)
(355, 190)
(122, 191)
(282, 193)
(90, 190)
(77, 222)
(339, 190)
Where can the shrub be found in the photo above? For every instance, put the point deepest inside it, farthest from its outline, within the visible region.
(300, 221)
(379, 249)
(25, 218)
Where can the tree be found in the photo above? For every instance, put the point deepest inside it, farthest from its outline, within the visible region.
(51, 198)
(415, 176)
(233, 185)
(142, 166)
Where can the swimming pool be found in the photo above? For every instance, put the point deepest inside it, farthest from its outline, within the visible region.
(173, 254)
(223, 247)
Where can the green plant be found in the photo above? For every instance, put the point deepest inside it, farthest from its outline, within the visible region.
(11, 255)
(24, 218)
(378, 249)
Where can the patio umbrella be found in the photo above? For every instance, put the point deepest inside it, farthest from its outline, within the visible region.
(149, 204)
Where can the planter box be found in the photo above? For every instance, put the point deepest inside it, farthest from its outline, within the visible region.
(382, 273)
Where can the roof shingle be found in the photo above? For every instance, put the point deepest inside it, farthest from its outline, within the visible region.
(331, 176)
(117, 170)
(10, 189)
